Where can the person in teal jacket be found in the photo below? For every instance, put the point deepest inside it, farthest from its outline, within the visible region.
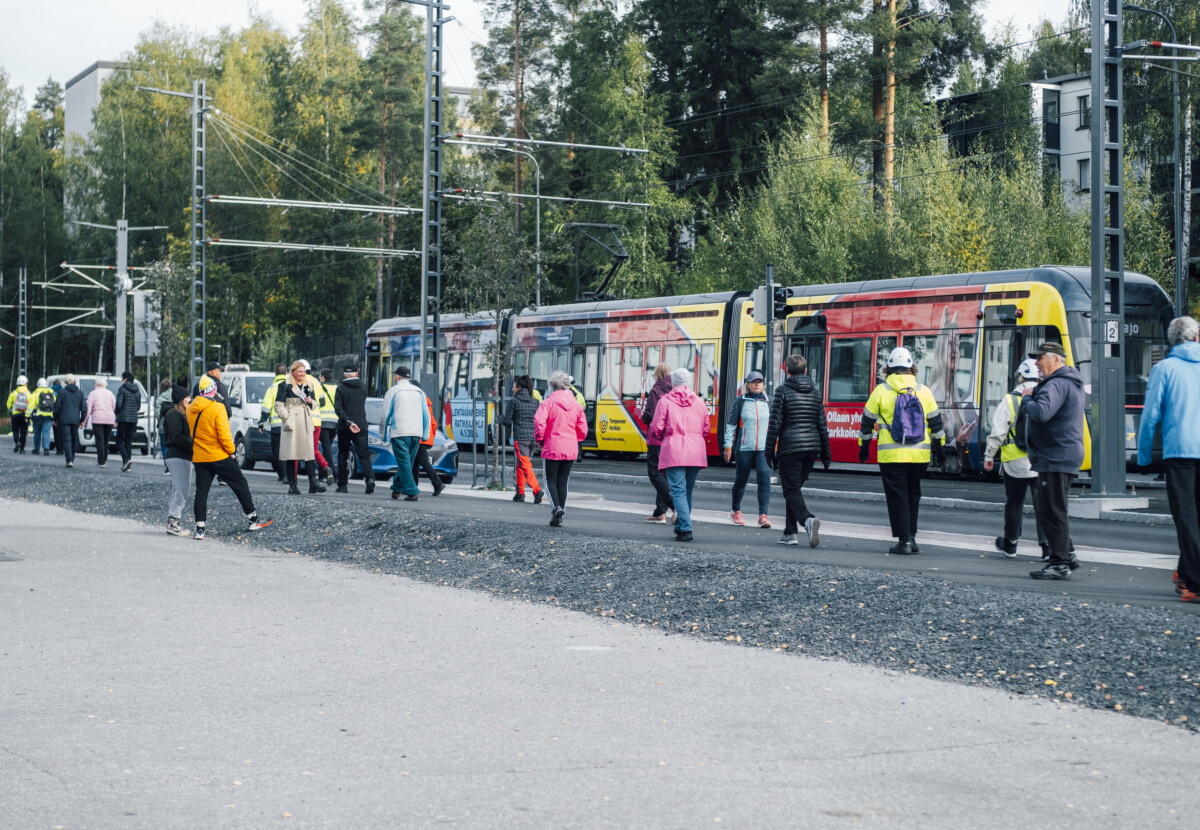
(746, 441)
(1170, 404)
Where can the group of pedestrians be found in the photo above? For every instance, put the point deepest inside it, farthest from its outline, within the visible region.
(32, 409)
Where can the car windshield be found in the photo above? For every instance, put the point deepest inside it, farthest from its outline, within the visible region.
(256, 388)
(374, 410)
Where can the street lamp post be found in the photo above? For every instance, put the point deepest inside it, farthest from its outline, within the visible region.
(1177, 180)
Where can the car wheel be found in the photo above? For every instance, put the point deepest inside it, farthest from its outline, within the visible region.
(145, 449)
(239, 453)
(445, 479)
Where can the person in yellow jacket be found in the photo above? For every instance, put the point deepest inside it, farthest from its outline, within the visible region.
(270, 418)
(212, 456)
(43, 416)
(329, 420)
(910, 432)
(20, 405)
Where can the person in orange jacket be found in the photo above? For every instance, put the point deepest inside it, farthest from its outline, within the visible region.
(212, 456)
(421, 461)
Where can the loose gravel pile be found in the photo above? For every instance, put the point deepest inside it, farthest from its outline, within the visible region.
(1142, 661)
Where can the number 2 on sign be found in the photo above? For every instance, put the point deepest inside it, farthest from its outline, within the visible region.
(1112, 331)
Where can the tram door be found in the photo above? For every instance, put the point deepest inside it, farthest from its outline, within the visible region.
(585, 368)
(808, 339)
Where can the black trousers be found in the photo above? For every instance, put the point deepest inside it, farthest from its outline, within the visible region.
(1014, 507)
(662, 493)
(20, 429)
(1183, 493)
(1050, 504)
(902, 489)
(325, 439)
(125, 433)
(346, 440)
(557, 474)
(276, 464)
(421, 461)
(68, 440)
(794, 470)
(102, 432)
(227, 470)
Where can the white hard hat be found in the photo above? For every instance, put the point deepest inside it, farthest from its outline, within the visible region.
(1029, 369)
(22, 380)
(41, 381)
(900, 358)
(307, 365)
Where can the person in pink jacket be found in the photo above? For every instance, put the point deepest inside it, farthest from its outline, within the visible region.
(559, 425)
(681, 425)
(101, 415)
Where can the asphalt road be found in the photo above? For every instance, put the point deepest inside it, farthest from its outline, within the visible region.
(153, 682)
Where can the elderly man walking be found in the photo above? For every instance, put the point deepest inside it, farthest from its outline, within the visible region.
(1171, 398)
(405, 422)
(1055, 442)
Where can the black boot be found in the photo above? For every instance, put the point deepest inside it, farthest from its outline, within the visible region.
(293, 490)
(902, 547)
(313, 485)
(912, 543)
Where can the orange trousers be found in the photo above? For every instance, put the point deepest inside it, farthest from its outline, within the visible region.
(525, 470)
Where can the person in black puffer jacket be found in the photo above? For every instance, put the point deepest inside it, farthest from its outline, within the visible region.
(797, 436)
(129, 400)
(518, 416)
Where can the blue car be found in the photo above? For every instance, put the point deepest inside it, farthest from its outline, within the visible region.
(443, 454)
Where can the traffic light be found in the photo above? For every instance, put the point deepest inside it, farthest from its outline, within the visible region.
(781, 302)
(761, 307)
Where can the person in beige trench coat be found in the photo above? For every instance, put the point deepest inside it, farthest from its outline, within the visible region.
(295, 404)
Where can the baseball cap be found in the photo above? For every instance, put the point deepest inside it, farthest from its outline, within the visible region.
(1049, 347)
(212, 364)
(403, 372)
(753, 376)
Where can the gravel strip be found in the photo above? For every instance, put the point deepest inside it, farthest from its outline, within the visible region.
(1141, 661)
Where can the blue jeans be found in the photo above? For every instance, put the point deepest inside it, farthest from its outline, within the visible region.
(756, 459)
(682, 480)
(405, 450)
(42, 424)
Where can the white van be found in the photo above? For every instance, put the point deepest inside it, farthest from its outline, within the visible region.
(246, 392)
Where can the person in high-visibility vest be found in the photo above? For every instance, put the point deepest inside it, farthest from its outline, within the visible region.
(904, 448)
(1019, 477)
(20, 403)
(270, 419)
(328, 420)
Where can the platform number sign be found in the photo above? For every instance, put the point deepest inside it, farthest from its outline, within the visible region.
(1112, 331)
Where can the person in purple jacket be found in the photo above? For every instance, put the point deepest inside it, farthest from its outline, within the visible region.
(681, 424)
(662, 492)
(559, 425)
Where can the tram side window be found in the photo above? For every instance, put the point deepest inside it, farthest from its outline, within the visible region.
(964, 368)
(520, 362)
(481, 375)
(653, 358)
(850, 370)
(457, 368)
(685, 356)
(707, 381)
(541, 364)
(752, 359)
(926, 361)
(613, 368)
(883, 350)
(633, 374)
(378, 375)
(999, 365)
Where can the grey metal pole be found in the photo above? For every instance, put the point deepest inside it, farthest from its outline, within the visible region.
(120, 363)
(769, 352)
(425, 195)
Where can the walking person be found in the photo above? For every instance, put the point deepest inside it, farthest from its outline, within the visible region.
(129, 401)
(70, 409)
(745, 441)
(162, 405)
(296, 406)
(559, 426)
(421, 460)
(681, 424)
(405, 421)
(213, 457)
(518, 417)
(20, 403)
(43, 417)
(177, 455)
(269, 418)
(1019, 476)
(101, 416)
(910, 433)
(662, 491)
(328, 422)
(797, 436)
(350, 408)
(1171, 397)
(1055, 440)
(57, 388)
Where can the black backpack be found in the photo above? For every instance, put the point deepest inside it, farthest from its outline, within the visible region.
(1018, 432)
(45, 401)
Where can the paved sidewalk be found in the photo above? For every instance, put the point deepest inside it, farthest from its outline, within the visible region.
(154, 682)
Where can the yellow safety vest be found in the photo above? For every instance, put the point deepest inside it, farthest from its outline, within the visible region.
(1009, 451)
(318, 390)
(882, 406)
(268, 404)
(328, 413)
(35, 407)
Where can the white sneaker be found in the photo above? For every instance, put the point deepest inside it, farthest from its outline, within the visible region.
(812, 526)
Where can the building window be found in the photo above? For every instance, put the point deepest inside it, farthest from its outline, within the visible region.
(1085, 175)
(1053, 164)
(1085, 111)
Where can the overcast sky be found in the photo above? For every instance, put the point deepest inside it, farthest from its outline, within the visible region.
(60, 38)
